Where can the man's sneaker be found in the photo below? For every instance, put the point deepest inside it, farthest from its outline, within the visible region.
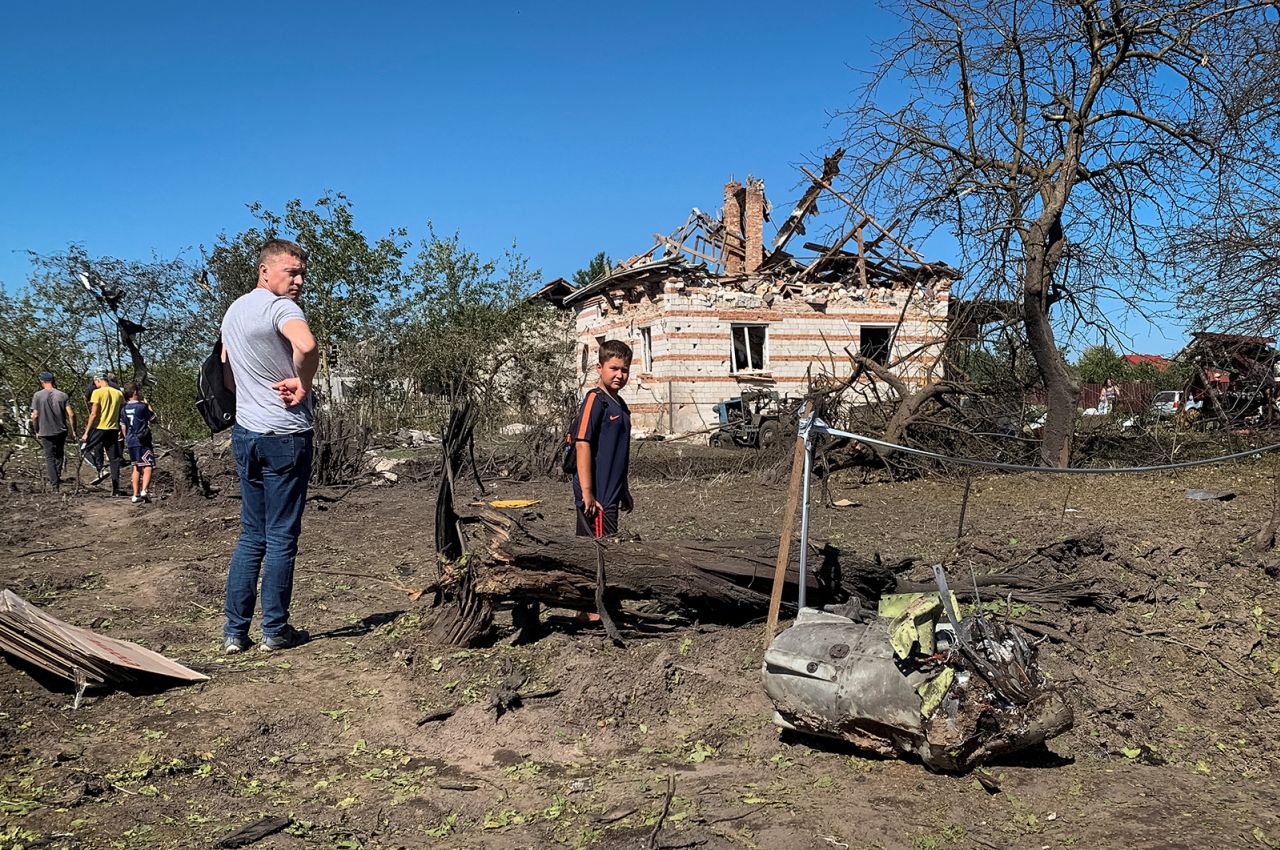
(286, 638)
(101, 476)
(239, 643)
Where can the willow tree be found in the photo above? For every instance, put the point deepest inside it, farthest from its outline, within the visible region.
(1067, 146)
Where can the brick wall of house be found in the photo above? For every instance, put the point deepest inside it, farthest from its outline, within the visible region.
(689, 370)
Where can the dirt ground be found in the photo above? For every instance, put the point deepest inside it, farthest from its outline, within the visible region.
(1175, 690)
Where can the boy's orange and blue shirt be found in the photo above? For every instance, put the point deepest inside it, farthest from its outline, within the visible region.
(605, 423)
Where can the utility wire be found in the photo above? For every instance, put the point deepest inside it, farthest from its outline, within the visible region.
(1062, 470)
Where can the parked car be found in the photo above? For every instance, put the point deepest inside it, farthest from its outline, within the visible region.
(1167, 404)
(1171, 402)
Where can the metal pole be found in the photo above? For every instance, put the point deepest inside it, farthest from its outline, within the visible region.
(804, 519)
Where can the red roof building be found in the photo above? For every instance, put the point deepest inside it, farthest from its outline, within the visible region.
(1161, 363)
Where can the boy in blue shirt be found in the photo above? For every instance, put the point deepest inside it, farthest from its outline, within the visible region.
(602, 446)
(135, 430)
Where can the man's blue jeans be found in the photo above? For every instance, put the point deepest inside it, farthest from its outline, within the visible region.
(273, 470)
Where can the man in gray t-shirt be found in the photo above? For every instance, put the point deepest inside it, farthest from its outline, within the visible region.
(269, 361)
(52, 416)
(257, 347)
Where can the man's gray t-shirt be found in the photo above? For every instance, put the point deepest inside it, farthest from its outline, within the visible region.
(260, 356)
(51, 412)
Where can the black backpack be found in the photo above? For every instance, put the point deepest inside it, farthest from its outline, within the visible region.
(568, 454)
(215, 400)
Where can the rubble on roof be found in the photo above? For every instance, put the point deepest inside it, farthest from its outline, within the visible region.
(866, 263)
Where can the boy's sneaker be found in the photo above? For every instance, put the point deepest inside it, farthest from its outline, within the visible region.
(135, 499)
(239, 643)
(286, 638)
(145, 496)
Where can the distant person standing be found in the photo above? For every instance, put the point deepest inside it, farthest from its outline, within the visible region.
(135, 430)
(1108, 397)
(53, 418)
(102, 431)
(269, 360)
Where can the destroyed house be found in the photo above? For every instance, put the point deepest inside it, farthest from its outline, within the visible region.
(1235, 375)
(711, 309)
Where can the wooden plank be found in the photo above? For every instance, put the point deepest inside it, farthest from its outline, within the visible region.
(668, 243)
(875, 243)
(788, 531)
(862, 259)
(860, 211)
(794, 222)
(836, 248)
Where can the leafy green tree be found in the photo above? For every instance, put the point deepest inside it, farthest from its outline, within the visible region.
(461, 322)
(1000, 366)
(230, 270)
(123, 313)
(80, 313)
(1172, 377)
(351, 279)
(30, 343)
(1099, 362)
(595, 269)
(32, 339)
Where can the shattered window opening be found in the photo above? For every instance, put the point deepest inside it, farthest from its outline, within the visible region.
(646, 348)
(749, 344)
(873, 343)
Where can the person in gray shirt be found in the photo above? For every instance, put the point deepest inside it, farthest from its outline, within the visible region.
(269, 362)
(52, 416)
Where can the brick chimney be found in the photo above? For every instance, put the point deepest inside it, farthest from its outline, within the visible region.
(753, 224)
(733, 201)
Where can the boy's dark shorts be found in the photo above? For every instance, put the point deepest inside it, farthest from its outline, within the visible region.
(142, 456)
(602, 524)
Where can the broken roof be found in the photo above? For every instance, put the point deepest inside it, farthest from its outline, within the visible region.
(703, 246)
(1231, 339)
(554, 292)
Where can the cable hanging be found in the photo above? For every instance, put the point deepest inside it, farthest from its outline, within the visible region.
(821, 427)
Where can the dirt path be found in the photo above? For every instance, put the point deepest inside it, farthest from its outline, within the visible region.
(1171, 749)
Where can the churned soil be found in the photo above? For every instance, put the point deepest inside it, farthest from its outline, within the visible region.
(1172, 670)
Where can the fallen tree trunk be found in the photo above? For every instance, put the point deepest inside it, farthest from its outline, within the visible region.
(511, 560)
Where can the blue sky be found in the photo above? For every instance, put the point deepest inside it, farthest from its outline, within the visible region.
(569, 128)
